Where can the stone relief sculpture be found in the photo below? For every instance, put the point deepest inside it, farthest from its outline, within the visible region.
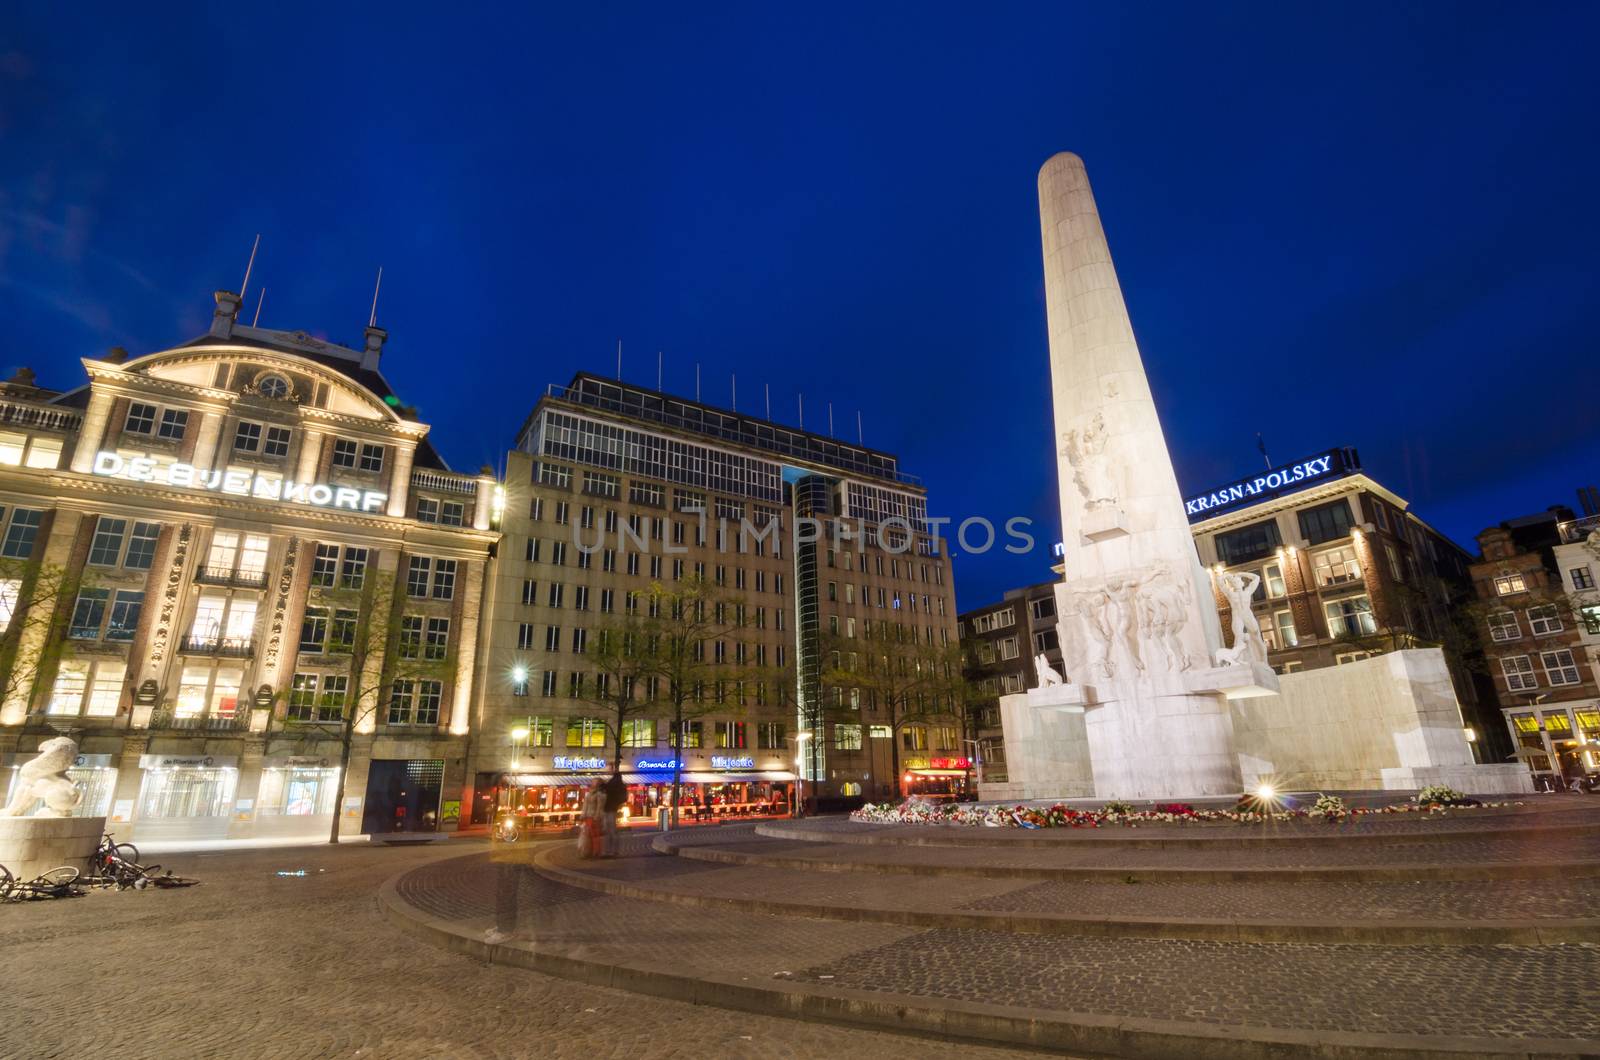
(1047, 673)
(1247, 642)
(1085, 450)
(1163, 612)
(45, 777)
(1110, 609)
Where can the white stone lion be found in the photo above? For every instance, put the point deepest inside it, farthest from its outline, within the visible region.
(45, 777)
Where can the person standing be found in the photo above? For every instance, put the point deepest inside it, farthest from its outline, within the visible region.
(591, 828)
(615, 798)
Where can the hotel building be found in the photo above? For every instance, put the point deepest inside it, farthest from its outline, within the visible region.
(209, 555)
(613, 488)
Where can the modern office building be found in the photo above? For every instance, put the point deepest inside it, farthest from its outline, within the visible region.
(1539, 619)
(1000, 644)
(212, 553)
(613, 488)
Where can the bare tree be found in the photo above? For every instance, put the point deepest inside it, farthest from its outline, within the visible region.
(909, 680)
(622, 661)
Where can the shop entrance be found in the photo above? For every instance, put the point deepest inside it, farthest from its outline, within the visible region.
(403, 796)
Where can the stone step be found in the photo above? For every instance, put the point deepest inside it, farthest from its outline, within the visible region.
(1159, 998)
(1461, 914)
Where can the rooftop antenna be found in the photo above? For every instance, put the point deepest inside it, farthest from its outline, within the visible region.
(372, 320)
(860, 437)
(619, 360)
(802, 412)
(658, 371)
(697, 380)
(830, 419)
(735, 377)
(1261, 444)
(249, 266)
(768, 387)
(262, 298)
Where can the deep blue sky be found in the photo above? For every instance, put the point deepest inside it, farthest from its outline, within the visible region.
(1368, 225)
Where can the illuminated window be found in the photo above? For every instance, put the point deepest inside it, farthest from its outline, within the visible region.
(914, 738)
(1508, 584)
(1288, 636)
(639, 732)
(1272, 581)
(847, 737)
(44, 453)
(10, 591)
(1352, 616)
(1336, 566)
(586, 732)
(12, 446)
(72, 682)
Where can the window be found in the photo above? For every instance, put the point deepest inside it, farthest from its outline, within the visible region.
(314, 629)
(106, 547)
(438, 643)
(174, 422)
(1509, 584)
(1327, 522)
(586, 732)
(580, 640)
(355, 568)
(1248, 543)
(415, 702)
(1288, 637)
(277, 443)
(1008, 648)
(141, 419)
(1046, 640)
(1272, 581)
(1343, 657)
(417, 576)
(548, 683)
(689, 734)
(372, 458)
(1590, 614)
(1395, 570)
(342, 633)
(1560, 668)
(324, 565)
(552, 638)
(557, 593)
(1380, 519)
(344, 453)
(247, 437)
(444, 579)
(1582, 578)
(639, 732)
(427, 510)
(44, 453)
(607, 601)
(525, 636)
(410, 636)
(1336, 566)
(88, 688)
(847, 737)
(1503, 626)
(142, 546)
(126, 607)
(1518, 672)
(914, 738)
(453, 513)
(1351, 616)
(770, 736)
(530, 592)
(983, 623)
(944, 737)
(1545, 619)
(730, 734)
(88, 613)
(20, 533)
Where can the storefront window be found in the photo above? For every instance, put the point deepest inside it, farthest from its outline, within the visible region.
(291, 791)
(72, 680)
(187, 793)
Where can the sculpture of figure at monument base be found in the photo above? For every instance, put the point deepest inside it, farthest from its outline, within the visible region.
(1239, 588)
(1048, 678)
(45, 778)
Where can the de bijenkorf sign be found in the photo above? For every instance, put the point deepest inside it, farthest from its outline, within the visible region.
(1288, 478)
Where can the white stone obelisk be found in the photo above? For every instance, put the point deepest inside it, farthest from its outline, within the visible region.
(1137, 620)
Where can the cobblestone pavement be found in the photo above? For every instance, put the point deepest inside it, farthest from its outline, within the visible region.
(249, 964)
(1467, 901)
(1488, 991)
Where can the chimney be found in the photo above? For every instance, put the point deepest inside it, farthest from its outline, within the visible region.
(116, 355)
(227, 313)
(376, 337)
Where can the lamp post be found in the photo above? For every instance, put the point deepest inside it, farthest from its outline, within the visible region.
(800, 773)
(977, 757)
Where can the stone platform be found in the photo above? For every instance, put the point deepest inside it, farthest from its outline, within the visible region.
(31, 846)
(1476, 933)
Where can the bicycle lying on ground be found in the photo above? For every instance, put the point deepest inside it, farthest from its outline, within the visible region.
(117, 865)
(57, 883)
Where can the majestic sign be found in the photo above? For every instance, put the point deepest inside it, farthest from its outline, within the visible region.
(727, 762)
(568, 762)
(1279, 480)
(239, 482)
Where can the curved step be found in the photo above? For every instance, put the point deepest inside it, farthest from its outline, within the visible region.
(893, 860)
(1127, 997)
(932, 909)
(1553, 826)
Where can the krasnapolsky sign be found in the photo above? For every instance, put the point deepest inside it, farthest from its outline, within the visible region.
(1280, 480)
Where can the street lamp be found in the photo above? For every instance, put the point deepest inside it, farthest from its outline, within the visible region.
(977, 757)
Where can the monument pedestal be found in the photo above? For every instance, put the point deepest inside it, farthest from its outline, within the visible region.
(30, 846)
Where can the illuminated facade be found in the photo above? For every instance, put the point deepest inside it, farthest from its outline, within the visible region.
(210, 554)
(655, 489)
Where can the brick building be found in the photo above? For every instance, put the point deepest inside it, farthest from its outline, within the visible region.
(999, 644)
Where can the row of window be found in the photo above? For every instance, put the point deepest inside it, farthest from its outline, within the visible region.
(322, 698)
(648, 732)
(1543, 619)
(887, 599)
(1560, 668)
(250, 437)
(21, 450)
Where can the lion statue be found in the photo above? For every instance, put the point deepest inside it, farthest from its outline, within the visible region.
(45, 777)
